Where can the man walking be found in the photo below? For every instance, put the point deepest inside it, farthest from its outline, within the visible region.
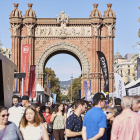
(118, 105)
(95, 120)
(126, 126)
(15, 112)
(136, 104)
(74, 122)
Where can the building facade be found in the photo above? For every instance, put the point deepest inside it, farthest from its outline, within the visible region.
(125, 68)
(6, 52)
(79, 37)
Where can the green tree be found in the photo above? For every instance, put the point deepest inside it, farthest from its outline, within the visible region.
(54, 82)
(63, 97)
(76, 86)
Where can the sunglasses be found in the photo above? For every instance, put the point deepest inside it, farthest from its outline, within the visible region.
(108, 112)
(5, 115)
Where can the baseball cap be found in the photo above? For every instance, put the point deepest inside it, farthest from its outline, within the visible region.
(25, 97)
(99, 96)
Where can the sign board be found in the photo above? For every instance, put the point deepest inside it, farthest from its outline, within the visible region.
(46, 90)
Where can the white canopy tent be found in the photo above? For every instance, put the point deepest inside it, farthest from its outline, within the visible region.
(133, 83)
(130, 84)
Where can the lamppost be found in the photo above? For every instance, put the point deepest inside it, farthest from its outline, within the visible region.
(71, 86)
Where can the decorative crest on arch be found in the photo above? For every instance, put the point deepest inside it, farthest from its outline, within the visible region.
(30, 12)
(63, 46)
(95, 12)
(16, 12)
(62, 18)
(109, 12)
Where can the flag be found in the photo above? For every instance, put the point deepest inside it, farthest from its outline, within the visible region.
(86, 89)
(32, 82)
(103, 64)
(90, 90)
(16, 85)
(119, 84)
(54, 97)
(24, 65)
(79, 94)
(47, 81)
(49, 86)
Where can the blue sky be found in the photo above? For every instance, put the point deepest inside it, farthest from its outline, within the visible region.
(127, 25)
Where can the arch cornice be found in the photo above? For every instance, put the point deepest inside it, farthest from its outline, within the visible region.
(64, 47)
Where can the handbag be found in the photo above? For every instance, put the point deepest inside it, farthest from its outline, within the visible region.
(42, 132)
(3, 133)
(50, 128)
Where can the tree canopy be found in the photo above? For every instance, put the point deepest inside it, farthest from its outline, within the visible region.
(76, 86)
(63, 98)
(54, 82)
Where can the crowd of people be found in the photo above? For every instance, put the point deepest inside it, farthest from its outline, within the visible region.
(80, 120)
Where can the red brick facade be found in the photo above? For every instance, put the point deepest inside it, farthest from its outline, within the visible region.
(79, 37)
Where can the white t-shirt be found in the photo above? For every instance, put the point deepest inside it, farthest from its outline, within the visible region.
(32, 133)
(16, 114)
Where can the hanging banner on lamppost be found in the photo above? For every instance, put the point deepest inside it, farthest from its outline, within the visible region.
(86, 89)
(103, 64)
(24, 65)
(119, 84)
(138, 68)
(32, 82)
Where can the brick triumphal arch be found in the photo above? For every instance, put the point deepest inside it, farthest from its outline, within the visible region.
(79, 37)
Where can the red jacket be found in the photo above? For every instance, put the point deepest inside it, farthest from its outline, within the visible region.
(47, 118)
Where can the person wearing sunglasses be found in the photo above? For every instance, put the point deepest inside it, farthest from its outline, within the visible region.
(110, 115)
(8, 130)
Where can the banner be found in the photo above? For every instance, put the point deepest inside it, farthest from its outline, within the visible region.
(54, 97)
(104, 67)
(86, 89)
(32, 82)
(49, 84)
(90, 90)
(16, 85)
(119, 84)
(88, 95)
(79, 94)
(138, 68)
(47, 80)
(24, 65)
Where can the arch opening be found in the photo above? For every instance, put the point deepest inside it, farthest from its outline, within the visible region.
(62, 52)
(67, 48)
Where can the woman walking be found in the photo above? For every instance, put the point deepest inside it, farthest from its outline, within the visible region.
(47, 114)
(8, 130)
(110, 114)
(31, 126)
(59, 120)
(37, 106)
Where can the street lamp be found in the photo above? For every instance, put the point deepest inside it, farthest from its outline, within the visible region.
(71, 86)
